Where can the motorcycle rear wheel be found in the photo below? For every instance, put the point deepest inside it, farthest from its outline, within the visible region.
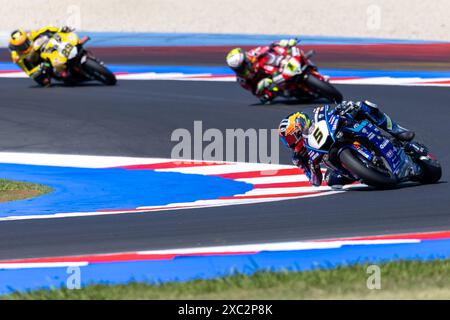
(99, 72)
(367, 175)
(323, 88)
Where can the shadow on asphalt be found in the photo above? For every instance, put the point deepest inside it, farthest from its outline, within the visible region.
(403, 185)
(64, 85)
(291, 102)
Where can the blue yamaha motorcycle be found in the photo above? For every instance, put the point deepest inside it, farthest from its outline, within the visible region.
(361, 151)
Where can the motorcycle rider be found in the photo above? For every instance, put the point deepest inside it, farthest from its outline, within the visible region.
(25, 51)
(252, 67)
(296, 127)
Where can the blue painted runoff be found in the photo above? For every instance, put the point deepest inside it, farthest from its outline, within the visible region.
(88, 190)
(146, 39)
(127, 39)
(208, 267)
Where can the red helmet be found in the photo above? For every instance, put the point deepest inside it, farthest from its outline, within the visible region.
(292, 128)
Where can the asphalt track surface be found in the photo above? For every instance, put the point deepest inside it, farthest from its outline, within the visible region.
(136, 118)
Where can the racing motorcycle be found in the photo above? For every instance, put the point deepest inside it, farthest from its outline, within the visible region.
(361, 151)
(66, 60)
(305, 81)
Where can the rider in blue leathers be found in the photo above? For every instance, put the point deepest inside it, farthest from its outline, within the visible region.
(296, 127)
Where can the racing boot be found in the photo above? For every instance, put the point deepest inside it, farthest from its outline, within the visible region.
(396, 130)
(385, 122)
(335, 180)
(403, 134)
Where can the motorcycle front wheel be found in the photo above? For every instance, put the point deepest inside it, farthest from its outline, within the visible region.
(432, 171)
(323, 89)
(365, 172)
(99, 72)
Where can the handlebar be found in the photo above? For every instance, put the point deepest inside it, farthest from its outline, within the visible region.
(345, 111)
(309, 54)
(84, 40)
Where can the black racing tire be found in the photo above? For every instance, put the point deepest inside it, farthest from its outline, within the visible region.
(323, 89)
(368, 176)
(99, 72)
(432, 171)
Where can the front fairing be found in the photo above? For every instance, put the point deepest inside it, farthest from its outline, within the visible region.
(59, 49)
(327, 122)
(369, 139)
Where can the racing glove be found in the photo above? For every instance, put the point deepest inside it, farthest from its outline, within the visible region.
(349, 107)
(42, 75)
(290, 45)
(316, 175)
(313, 173)
(266, 90)
(312, 170)
(287, 42)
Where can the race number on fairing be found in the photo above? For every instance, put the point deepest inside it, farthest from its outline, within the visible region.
(319, 135)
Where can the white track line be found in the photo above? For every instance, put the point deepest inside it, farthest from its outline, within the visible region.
(281, 246)
(241, 167)
(410, 81)
(33, 265)
(264, 191)
(156, 76)
(210, 251)
(171, 207)
(78, 161)
(276, 179)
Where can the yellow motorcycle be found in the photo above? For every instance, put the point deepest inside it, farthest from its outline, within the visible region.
(66, 60)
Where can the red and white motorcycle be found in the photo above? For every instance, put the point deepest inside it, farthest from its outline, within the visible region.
(304, 80)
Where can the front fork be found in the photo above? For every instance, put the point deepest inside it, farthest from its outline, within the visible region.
(414, 151)
(328, 163)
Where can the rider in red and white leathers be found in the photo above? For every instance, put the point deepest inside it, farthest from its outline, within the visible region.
(258, 70)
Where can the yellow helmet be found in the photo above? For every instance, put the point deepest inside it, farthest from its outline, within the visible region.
(19, 41)
(237, 60)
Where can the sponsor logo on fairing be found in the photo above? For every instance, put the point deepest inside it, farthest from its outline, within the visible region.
(384, 144)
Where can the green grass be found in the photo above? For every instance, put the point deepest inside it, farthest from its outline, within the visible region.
(399, 280)
(16, 190)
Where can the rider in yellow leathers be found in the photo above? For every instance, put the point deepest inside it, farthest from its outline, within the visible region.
(25, 51)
